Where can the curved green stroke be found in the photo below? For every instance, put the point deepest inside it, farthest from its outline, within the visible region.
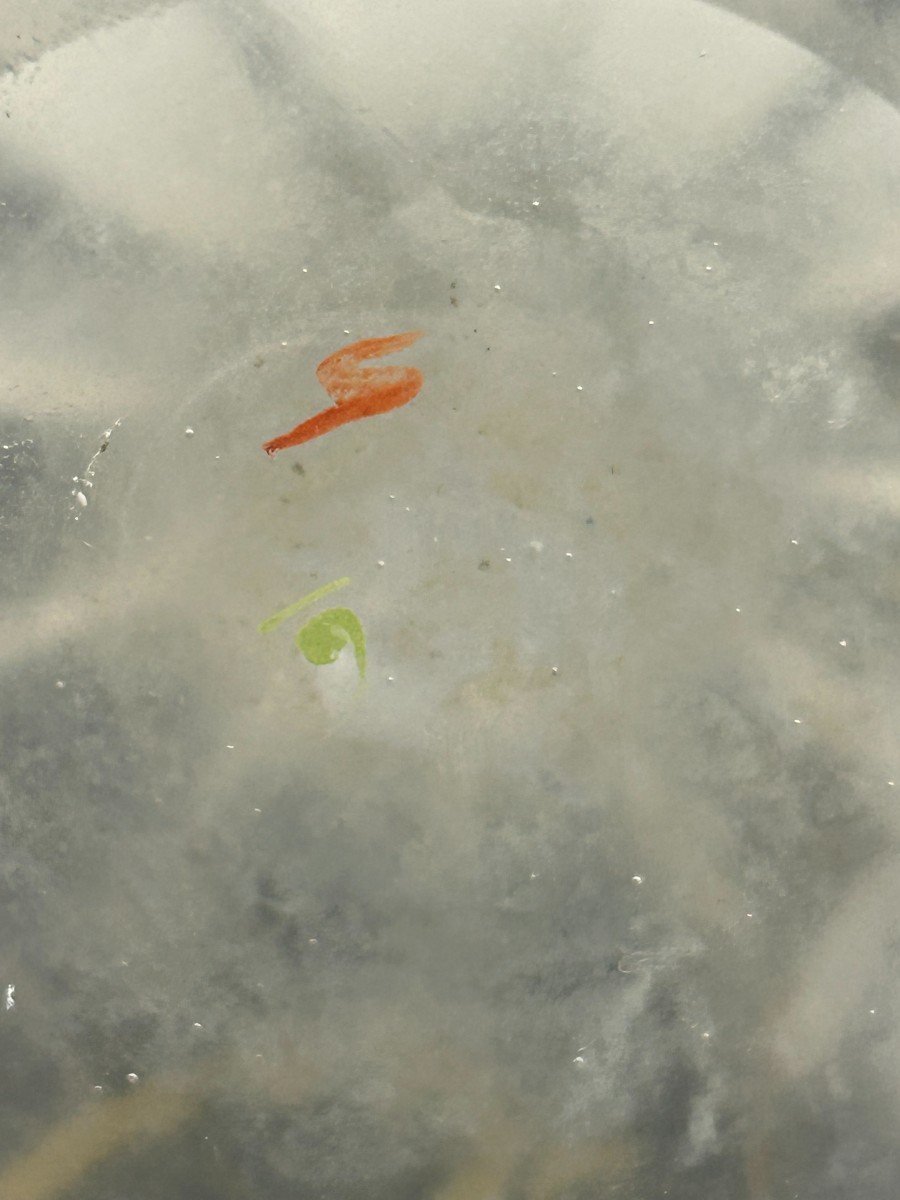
(323, 637)
(275, 620)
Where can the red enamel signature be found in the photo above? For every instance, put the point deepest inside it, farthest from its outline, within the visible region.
(357, 391)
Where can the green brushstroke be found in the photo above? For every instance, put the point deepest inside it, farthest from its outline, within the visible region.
(323, 637)
(273, 622)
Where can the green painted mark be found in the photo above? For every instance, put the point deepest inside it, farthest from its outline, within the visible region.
(274, 621)
(323, 637)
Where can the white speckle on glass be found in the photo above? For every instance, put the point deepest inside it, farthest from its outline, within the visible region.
(579, 1059)
(229, 746)
(188, 432)
(132, 1077)
(60, 683)
(197, 1025)
(9, 998)
(569, 554)
(637, 879)
(81, 498)
(380, 562)
(578, 387)
(798, 721)
(535, 204)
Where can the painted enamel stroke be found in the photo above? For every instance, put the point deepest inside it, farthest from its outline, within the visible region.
(357, 391)
(323, 637)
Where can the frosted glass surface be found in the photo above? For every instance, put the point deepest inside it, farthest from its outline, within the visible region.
(589, 888)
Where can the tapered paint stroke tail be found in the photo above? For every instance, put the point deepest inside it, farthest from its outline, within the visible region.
(357, 391)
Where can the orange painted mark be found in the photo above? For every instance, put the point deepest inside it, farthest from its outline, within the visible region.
(357, 391)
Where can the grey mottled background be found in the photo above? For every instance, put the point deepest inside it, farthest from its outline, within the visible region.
(593, 889)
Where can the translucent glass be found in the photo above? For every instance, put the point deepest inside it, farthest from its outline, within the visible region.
(548, 849)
